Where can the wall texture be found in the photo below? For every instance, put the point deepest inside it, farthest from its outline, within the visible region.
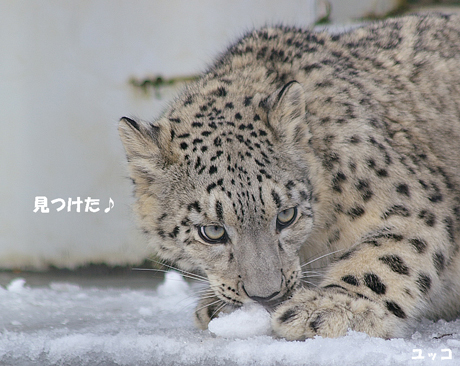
(64, 72)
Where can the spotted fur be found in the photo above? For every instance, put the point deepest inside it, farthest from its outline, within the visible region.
(357, 133)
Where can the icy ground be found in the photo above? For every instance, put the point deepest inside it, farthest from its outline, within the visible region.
(61, 323)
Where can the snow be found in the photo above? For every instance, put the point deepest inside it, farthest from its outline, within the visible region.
(249, 321)
(16, 285)
(64, 323)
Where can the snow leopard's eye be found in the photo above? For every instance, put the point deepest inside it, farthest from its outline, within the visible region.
(286, 218)
(213, 234)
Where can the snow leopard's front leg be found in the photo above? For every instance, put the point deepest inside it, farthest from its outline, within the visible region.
(376, 288)
(331, 312)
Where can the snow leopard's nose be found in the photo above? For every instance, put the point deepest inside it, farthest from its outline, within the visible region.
(260, 296)
(264, 300)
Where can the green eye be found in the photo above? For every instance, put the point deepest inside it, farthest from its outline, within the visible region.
(213, 234)
(286, 218)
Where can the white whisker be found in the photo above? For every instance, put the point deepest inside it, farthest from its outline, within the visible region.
(194, 275)
(185, 274)
(309, 276)
(312, 272)
(325, 255)
(218, 309)
(211, 303)
(310, 283)
(191, 301)
(205, 291)
(206, 295)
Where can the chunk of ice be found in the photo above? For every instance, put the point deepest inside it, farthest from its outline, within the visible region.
(17, 285)
(173, 285)
(249, 321)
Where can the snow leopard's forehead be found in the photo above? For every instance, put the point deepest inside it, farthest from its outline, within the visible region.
(216, 131)
(226, 149)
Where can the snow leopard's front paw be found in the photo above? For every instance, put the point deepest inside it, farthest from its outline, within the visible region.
(330, 313)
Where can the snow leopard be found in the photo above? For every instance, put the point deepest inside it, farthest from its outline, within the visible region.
(314, 173)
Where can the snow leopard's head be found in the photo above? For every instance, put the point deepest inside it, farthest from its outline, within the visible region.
(222, 186)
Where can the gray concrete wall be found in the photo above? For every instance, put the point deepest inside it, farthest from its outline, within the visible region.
(64, 83)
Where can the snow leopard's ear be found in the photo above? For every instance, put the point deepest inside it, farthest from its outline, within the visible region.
(286, 113)
(145, 142)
